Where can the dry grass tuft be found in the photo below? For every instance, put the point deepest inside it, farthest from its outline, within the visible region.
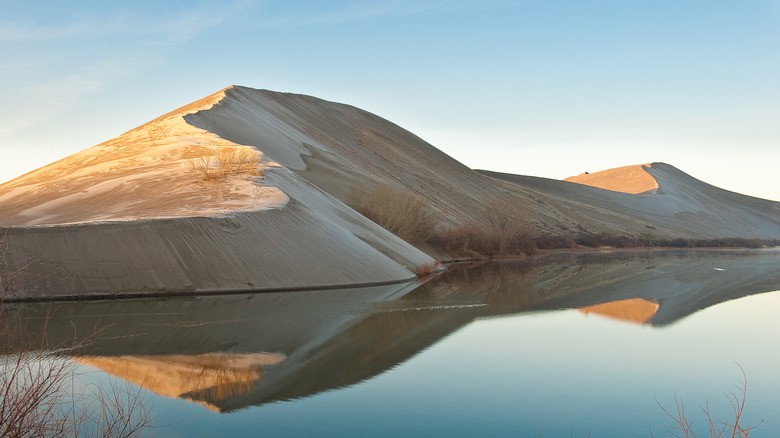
(403, 213)
(503, 233)
(223, 161)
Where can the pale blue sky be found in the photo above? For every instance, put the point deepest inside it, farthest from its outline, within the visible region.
(546, 88)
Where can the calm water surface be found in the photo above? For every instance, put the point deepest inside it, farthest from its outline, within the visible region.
(563, 345)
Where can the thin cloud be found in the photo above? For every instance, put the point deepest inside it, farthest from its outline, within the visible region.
(16, 32)
(361, 11)
(41, 101)
(152, 37)
(180, 25)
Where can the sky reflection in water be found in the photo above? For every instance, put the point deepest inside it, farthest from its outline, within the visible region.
(499, 349)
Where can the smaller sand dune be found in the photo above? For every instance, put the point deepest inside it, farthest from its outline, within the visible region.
(627, 179)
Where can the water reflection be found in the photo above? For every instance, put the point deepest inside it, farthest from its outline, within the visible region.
(229, 352)
(634, 310)
(201, 378)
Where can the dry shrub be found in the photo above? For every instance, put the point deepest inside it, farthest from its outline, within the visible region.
(731, 427)
(553, 241)
(223, 161)
(40, 397)
(429, 269)
(403, 213)
(503, 233)
(596, 240)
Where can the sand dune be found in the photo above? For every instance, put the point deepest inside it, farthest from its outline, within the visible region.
(682, 206)
(128, 216)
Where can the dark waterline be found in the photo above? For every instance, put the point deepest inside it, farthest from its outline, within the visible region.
(568, 345)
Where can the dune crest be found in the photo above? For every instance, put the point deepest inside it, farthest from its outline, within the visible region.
(627, 179)
(142, 174)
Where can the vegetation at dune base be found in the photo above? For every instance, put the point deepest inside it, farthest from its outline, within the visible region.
(222, 161)
(503, 233)
(403, 213)
(504, 230)
(38, 396)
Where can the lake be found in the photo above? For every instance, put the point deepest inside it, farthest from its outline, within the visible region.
(592, 344)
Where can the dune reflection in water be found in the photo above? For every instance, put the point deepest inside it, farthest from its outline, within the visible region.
(200, 378)
(299, 347)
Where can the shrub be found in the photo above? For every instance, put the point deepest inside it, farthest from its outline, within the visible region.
(503, 233)
(552, 241)
(40, 399)
(429, 269)
(717, 429)
(403, 213)
(223, 161)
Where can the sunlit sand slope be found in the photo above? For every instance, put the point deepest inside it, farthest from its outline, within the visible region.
(143, 173)
(626, 179)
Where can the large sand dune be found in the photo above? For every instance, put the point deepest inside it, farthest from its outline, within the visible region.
(129, 216)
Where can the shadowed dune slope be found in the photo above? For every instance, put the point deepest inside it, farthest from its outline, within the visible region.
(338, 147)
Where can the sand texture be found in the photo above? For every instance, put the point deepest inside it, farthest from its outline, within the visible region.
(129, 216)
